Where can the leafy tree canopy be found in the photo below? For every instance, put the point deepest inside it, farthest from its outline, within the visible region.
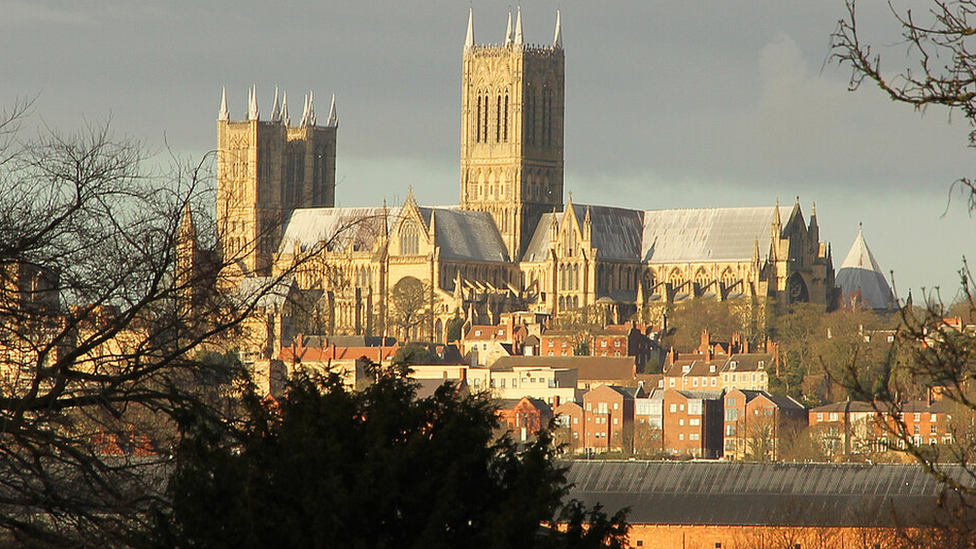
(372, 469)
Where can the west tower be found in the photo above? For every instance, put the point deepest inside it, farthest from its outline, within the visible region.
(266, 169)
(512, 98)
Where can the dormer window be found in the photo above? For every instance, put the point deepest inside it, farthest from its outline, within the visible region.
(685, 369)
(711, 369)
(762, 363)
(733, 364)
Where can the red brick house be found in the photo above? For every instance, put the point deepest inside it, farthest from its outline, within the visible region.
(693, 423)
(754, 422)
(609, 414)
(524, 417)
(571, 418)
(855, 427)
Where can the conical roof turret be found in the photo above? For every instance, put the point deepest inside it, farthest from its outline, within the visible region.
(861, 278)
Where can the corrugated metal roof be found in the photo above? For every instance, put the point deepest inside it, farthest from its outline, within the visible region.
(706, 234)
(740, 494)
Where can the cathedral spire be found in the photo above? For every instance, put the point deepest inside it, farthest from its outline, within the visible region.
(508, 31)
(252, 104)
(557, 41)
(224, 113)
(469, 38)
(518, 27)
(276, 108)
(285, 119)
(333, 117)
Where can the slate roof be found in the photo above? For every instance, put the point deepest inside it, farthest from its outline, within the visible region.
(360, 227)
(265, 291)
(749, 362)
(668, 236)
(467, 235)
(744, 494)
(587, 367)
(615, 231)
(860, 273)
(461, 234)
(706, 234)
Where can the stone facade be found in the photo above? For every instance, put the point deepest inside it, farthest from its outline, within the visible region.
(511, 244)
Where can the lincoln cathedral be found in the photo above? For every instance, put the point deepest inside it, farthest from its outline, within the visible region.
(516, 241)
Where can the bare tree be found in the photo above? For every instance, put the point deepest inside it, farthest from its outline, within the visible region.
(101, 322)
(941, 66)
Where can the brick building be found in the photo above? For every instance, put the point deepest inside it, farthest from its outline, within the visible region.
(524, 417)
(754, 422)
(609, 415)
(765, 505)
(855, 427)
(693, 423)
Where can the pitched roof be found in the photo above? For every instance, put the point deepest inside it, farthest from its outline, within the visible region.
(861, 274)
(587, 367)
(359, 227)
(706, 234)
(615, 231)
(749, 362)
(466, 235)
(773, 494)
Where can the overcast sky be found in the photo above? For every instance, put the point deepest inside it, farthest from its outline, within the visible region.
(668, 104)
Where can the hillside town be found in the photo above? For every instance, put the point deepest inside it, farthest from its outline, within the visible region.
(237, 355)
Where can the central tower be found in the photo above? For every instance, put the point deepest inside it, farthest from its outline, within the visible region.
(512, 131)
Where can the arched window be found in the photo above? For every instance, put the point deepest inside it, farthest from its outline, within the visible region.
(701, 282)
(409, 239)
(498, 120)
(477, 133)
(484, 137)
(505, 132)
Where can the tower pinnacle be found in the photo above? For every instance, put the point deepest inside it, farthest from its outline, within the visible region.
(557, 41)
(518, 27)
(508, 30)
(285, 119)
(469, 38)
(224, 113)
(333, 117)
(252, 104)
(276, 108)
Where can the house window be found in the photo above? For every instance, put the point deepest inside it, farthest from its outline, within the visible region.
(681, 436)
(614, 421)
(681, 422)
(714, 381)
(502, 382)
(602, 408)
(833, 416)
(694, 421)
(674, 408)
(933, 429)
(616, 406)
(603, 343)
(616, 343)
(694, 436)
(933, 418)
(819, 416)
